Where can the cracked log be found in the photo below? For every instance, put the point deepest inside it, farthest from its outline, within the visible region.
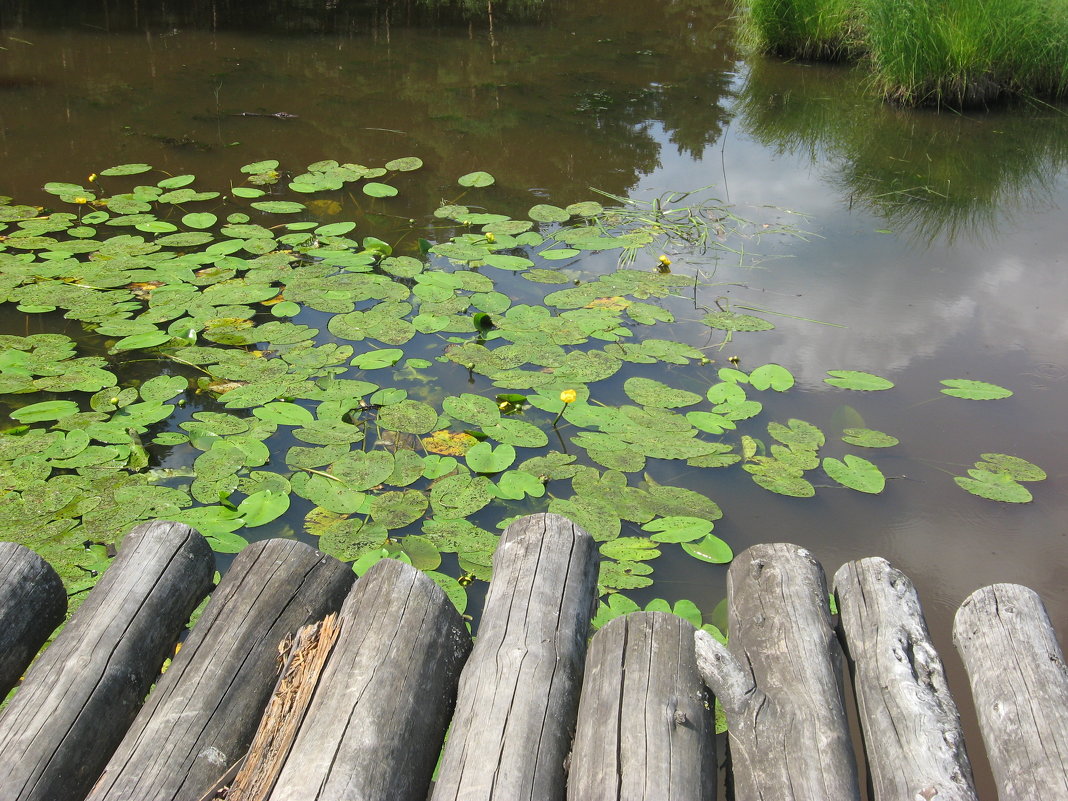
(375, 725)
(780, 681)
(204, 711)
(519, 692)
(645, 727)
(912, 734)
(1020, 686)
(84, 691)
(32, 603)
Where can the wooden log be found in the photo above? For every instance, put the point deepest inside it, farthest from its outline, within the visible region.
(645, 729)
(780, 682)
(375, 725)
(32, 603)
(1020, 687)
(518, 697)
(81, 695)
(912, 733)
(205, 709)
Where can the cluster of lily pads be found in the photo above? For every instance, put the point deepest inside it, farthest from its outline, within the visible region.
(302, 374)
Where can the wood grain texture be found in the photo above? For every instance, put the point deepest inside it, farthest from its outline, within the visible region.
(204, 711)
(376, 722)
(32, 603)
(519, 692)
(912, 733)
(645, 729)
(1020, 687)
(81, 695)
(780, 681)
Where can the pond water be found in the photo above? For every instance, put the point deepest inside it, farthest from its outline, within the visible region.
(934, 247)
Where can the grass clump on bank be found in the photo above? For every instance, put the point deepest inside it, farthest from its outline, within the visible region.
(809, 29)
(963, 53)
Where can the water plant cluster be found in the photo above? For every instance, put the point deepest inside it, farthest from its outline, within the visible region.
(926, 52)
(385, 404)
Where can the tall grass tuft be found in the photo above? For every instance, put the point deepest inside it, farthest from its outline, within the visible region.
(957, 53)
(808, 29)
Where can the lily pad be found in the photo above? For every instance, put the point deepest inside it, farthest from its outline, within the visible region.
(710, 549)
(857, 380)
(868, 438)
(1015, 467)
(994, 486)
(974, 390)
(856, 473)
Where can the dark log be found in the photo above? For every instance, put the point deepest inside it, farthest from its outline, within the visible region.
(1020, 686)
(912, 732)
(81, 695)
(780, 683)
(32, 603)
(205, 709)
(375, 725)
(645, 729)
(518, 697)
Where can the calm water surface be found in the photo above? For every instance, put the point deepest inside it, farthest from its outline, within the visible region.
(935, 246)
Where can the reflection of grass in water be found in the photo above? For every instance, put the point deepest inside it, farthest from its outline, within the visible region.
(932, 174)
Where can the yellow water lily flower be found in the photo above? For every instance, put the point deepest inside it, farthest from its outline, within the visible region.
(568, 396)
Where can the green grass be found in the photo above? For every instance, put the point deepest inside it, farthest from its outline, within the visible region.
(957, 53)
(808, 29)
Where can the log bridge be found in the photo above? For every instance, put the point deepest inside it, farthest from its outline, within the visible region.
(300, 681)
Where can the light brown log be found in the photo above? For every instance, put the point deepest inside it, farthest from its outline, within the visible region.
(81, 695)
(780, 681)
(912, 732)
(518, 697)
(1020, 687)
(376, 722)
(645, 730)
(32, 603)
(204, 711)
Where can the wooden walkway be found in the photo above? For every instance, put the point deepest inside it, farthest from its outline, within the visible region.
(299, 682)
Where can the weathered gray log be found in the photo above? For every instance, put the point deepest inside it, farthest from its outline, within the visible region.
(81, 695)
(1020, 686)
(518, 697)
(32, 603)
(375, 725)
(780, 682)
(645, 729)
(912, 732)
(204, 711)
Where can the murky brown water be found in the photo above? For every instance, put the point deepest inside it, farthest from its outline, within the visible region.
(937, 241)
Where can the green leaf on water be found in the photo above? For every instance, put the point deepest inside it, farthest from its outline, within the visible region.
(126, 169)
(45, 410)
(710, 549)
(375, 189)
(454, 591)
(284, 413)
(771, 376)
(854, 379)
(732, 321)
(868, 438)
(974, 390)
(797, 434)
(855, 473)
(1015, 467)
(408, 416)
(262, 507)
(546, 213)
(484, 458)
(203, 219)
(994, 486)
(678, 529)
(406, 164)
(279, 206)
(476, 179)
(630, 549)
(649, 392)
(397, 509)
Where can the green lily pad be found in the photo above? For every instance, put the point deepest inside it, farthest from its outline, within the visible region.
(855, 473)
(409, 417)
(710, 549)
(476, 179)
(484, 458)
(1015, 467)
(732, 321)
(994, 486)
(649, 392)
(856, 380)
(398, 509)
(262, 507)
(678, 529)
(771, 376)
(974, 390)
(868, 438)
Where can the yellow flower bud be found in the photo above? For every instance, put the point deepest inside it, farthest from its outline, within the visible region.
(664, 260)
(568, 396)
(491, 238)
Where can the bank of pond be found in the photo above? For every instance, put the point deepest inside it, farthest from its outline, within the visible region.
(299, 680)
(926, 52)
